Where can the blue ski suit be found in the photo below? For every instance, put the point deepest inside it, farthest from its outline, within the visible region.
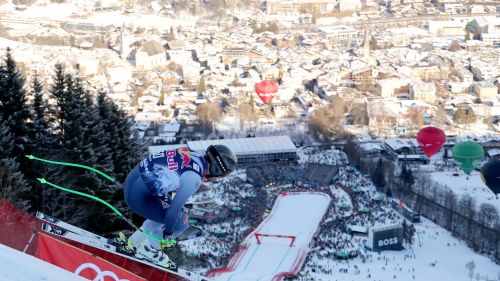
(151, 185)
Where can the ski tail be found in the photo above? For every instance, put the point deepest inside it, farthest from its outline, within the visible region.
(63, 225)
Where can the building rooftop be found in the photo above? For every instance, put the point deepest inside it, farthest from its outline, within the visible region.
(337, 29)
(241, 146)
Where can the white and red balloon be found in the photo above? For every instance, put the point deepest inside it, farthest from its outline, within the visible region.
(266, 90)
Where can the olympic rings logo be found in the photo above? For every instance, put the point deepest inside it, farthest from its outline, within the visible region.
(100, 274)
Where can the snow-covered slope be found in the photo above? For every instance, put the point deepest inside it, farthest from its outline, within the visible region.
(17, 266)
(294, 214)
(436, 255)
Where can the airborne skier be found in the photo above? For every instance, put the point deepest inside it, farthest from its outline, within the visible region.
(159, 186)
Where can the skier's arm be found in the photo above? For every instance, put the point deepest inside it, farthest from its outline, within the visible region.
(189, 184)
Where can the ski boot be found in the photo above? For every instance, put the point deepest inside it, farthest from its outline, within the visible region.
(147, 252)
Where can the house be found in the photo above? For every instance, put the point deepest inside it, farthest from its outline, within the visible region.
(350, 5)
(485, 24)
(426, 72)
(483, 70)
(232, 54)
(191, 71)
(464, 75)
(382, 116)
(485, 90)
(271, 73)
(147, 101)
(150, 55)
(146, 118)
(447, 28)
(452, 8)
(371, 149)
(362, 76)
(423, 91)
(292, 7)
(337, 33)
(458, 87)
(176, 45)
(400, 146)
(169, 78)
(482, 112)
(488, 28)
(255, 56)
(390, 87)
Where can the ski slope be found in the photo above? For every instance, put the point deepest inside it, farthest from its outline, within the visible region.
(296, 214)
(17, 266)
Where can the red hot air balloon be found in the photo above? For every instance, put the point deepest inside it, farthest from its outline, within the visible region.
(431, 139)
(266, 90)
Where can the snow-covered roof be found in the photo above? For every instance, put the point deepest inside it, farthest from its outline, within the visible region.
(492, 152)
(371, 147)
(385, 227)
(159, 148)
(152, 48)
(170, 127)
(242, 146)
(248, 146)
(396, 144)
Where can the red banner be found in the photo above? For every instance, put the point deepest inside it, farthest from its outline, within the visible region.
(80, 262)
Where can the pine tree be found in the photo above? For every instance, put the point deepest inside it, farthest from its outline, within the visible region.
(470, 117)
(41, 120)
(13, 106)
(13, 187)
(79, 139)
(50, 200)
(58, 93)
(201, 86)
(85, 143)
(126, 151)
(460, 115)
(41, 145)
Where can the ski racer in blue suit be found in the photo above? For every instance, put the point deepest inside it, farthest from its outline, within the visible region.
(159, 186)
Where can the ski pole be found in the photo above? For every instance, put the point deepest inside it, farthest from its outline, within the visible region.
(161, 240)
(31, 157)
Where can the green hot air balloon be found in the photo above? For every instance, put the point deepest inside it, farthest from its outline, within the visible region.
(467, 154)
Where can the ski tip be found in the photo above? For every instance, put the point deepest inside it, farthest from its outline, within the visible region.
(30, 157)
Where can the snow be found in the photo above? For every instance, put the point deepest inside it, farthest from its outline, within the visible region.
(327, 156)
(68, 12)
(144, 20)
(471, 185)
(274, 255)
(343, 199)
(17, 266)
(53, 11)
(437, 255)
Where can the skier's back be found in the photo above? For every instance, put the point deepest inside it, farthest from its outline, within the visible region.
(159, 186)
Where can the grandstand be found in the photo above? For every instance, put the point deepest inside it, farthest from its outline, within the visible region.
(284, 174)
(248, 150)
(319, 174)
